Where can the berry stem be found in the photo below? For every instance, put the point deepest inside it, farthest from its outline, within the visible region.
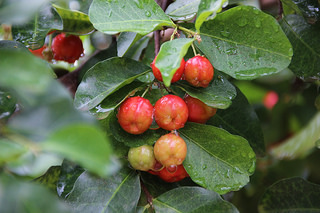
(149, 196)
(145, 92)
(174, 32)
(194, 49)
(192, 33)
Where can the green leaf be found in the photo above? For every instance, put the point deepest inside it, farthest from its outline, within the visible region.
(74, 22)
(170, 56)
(26, 197)
(192, 199)
(306, 46)
(118, 193)
(148, 137)
(105, 78)
(33, 33)
(85, 145)
(216, 159)
(125, 41)
(183, 10)
(218, 94)
(289, 7)
(140, 16)
(7, 105)
(50, 178)
(245, 43)
(291, 195)
(135, 51)
(208, 10)
(10, 151)
(13, 45)
(233, 118)
(301, 144)
(309, 9)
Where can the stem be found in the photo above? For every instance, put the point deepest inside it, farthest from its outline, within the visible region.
(149, 196)
(174, 32)
(145, 92)
(156, 42)
(194, 49)
(188, 31)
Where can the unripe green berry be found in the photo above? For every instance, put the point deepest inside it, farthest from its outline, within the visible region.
(142, 157)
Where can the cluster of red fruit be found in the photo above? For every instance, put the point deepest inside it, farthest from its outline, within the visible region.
(64, 47)
(170, 112)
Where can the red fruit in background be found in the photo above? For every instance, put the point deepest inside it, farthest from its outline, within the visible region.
(199, 112)
(38, 52)
(170, 149)
(198, 71)
(176, 176)
(170, 112)
(135, 115)
(67, 48)
(270, 99)
(177, 75)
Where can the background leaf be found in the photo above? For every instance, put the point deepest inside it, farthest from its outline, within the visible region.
(7, 105)
(216, 159)
(233, 119)
(125, 41)
(105, 78)
(170, 56)
(291, 195)
(309, 9)
(218, 94)
(192, 199)
(50, 178)
(10, 151)
(183, 10)
(306, 44)
(91, 194)
(245, 43)
(140, 16)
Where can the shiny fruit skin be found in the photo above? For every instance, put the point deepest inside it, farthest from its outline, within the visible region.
(175, 176)
(199, 112)
(142, 157)
(170, 149)
(67, 48)
(38, 52)
(170, 112)
(177, 75)
(135, 115)
(198, 71)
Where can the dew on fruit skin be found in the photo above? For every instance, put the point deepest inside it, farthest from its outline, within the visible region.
(147, 13)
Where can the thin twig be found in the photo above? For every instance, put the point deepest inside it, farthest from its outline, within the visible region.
(149, 196)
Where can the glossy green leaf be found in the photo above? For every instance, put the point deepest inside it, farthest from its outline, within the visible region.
(289, 7)
(140, 16)
(105, 78)
(208, 10)
(192, 199)
(233, 119)
(148, 137)
(306, 46)
(10, 151)
(183, 10)
(291, 195)
(216, 159)
(170, 56)
(136, 50)
(118, 193)
(74, 22)
(83, 144)
(309, 9)
(245, 43)
(33, 33)
(218, 94)
(13, 45)
(50, 178)
(7, 105)
(301, 144)
(26, 197)
(125, 41)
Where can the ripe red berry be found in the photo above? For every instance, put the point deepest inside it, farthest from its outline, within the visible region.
(171, 112)
(176, 176)
(67, 48)
(177, 75)
(142, 157)
(270, 99)
(198, 71)
(199, 112)
(170, 150)
(135, 115)
(38, 52)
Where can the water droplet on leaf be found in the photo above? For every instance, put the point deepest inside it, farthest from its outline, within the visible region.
(147, 13)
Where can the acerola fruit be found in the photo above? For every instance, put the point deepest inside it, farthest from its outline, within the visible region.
(169, 177)
(270, 99)
(38, 52)
(177, 75)
(198, 71)
(170, 112)
(142, 157)
(67, 48)
(199, 112)
(135, 115)
(170, 149)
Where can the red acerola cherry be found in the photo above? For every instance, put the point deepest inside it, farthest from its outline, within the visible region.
(198, 71)
(199, 112)
(170, 112)
(170, 149)
(38, 52)
(67, 48)
(135, 115)
(177, 75)
(176, 176)
(270, 99)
